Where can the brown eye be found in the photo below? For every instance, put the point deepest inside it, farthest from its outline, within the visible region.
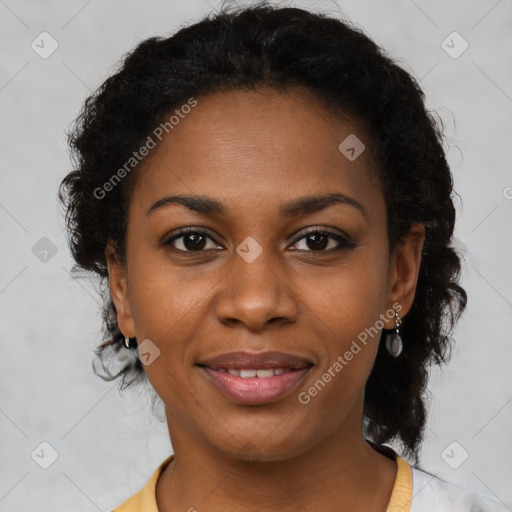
(190, 240)
(194, 241)
(323, 241)
(317, 241)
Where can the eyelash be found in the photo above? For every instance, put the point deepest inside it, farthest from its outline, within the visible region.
(344, 242)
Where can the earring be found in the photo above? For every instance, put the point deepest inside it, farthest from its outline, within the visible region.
(128, 342)
(394, 342)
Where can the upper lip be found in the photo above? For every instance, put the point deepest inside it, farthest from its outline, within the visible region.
(256, 360)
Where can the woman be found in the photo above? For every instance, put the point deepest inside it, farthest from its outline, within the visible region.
(269, 203)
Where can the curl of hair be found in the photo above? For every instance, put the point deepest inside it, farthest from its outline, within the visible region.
(282, 48)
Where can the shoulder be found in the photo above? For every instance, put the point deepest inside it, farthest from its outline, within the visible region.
(432, 493)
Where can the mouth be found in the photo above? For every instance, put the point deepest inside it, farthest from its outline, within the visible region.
(255, 378)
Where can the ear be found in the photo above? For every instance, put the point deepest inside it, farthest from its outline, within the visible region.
(119, 290)
(404, 271)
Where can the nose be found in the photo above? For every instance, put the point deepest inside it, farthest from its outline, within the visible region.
(256, 293)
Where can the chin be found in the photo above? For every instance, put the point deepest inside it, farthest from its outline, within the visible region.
(263, 444)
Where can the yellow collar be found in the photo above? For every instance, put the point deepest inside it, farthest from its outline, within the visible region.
(401, 496)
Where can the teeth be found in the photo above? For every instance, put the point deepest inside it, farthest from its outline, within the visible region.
(265, 373)
(245, 374)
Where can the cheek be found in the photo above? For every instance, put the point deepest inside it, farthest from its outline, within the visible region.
(165, 298)
(346, 306)
(169, 305)
(350, 349)
(350, 297)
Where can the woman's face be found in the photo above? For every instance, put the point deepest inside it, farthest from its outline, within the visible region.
(253, 280)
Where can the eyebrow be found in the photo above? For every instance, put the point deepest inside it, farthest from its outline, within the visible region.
(300, 206)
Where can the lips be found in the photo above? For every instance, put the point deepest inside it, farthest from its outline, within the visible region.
(256, 361)
(255, 378)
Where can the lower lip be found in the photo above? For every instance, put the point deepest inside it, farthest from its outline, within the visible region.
(255, 390)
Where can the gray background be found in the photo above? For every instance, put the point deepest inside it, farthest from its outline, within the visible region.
(109, 444)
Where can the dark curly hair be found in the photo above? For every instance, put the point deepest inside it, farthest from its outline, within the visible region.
(269, 46)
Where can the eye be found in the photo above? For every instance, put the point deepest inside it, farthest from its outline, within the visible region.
(319, 240)
(316, 240)
(190, 240)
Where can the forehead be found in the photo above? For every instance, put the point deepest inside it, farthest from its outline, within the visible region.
(245, 146)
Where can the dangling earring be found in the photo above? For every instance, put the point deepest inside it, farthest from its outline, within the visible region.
(393, 340)
(128, 343)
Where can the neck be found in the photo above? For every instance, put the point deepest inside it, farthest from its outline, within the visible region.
(343, 473)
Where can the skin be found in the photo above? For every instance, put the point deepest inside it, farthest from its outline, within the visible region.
(253, 151)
